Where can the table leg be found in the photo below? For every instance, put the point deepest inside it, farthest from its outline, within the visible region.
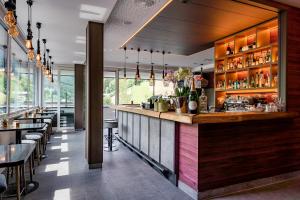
(18, 182)
(18, 136)
(34, 121)
(30, 168)
(110, 139)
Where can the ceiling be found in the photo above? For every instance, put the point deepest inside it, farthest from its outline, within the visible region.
(187, 28)
(64, 23)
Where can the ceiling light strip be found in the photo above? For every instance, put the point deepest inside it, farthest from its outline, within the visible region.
(147, 22)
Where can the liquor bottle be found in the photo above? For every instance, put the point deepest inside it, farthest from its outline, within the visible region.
(256, 79)
(261, 80)
(228, 50)
(193, 101)
(202, 102)
(252, 82)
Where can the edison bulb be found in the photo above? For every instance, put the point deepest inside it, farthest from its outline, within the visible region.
(9, 18)
(28, 44)
(39, 63)
(13, 31)
(30, 54)
(38, 57)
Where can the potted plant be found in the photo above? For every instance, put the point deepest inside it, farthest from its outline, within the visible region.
(5, 121)
(182, 89)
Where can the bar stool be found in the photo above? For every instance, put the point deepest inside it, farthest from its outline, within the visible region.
(110, 124)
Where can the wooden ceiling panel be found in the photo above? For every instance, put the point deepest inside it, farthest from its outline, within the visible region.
(189, 28)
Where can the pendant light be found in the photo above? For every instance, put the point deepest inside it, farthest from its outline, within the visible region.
(125, 57)
(38, 51)
(152, 77)
(49, 69)
(52, 79)
(47, 65)
(44, 56)
(163, 64)
(10, 18)
(30, 52)
(137, 73)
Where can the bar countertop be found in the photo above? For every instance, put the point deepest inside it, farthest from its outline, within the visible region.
(209, 118)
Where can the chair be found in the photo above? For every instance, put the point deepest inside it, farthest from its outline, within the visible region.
(3, 184)
(37, 137)
(110, 124)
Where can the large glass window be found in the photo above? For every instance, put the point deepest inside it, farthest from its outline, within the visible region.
(50, 91)
(109, 97)
(19, 79)
(129, 92)
(32, 83)
(67, 96)
(3, 74)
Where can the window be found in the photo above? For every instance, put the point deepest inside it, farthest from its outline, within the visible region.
(128, 91)
(67, 93)
(163, 90)
(32, 83)
(19, 79)
(109, 91)
(3, 74)
(50, 93)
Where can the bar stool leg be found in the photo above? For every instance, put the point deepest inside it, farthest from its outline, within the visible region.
(18, 182)
(30, 168)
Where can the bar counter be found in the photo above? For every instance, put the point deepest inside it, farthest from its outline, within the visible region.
(209, 118)
(205, 154)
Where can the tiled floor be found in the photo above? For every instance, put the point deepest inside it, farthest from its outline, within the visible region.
(64, 176)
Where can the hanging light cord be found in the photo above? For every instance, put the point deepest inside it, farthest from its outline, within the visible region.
(163, 74)
(125, 53)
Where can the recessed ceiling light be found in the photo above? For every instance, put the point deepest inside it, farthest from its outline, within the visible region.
(91, 12)
(80, 39)
(77, 62)
(79, 53)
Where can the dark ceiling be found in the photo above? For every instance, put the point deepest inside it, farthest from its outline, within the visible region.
(194, 26)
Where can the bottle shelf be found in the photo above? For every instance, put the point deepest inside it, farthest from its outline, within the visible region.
(252, 90)
(240, 54)
(264, 37)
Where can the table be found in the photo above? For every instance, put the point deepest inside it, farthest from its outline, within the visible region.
(23, 127)
(47, 113)
(37, 117)
(16, 156)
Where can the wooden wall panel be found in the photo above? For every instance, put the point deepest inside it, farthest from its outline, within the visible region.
(238, 152)
(188, 154)
(79, 96)
(293, 60)
(94, 73)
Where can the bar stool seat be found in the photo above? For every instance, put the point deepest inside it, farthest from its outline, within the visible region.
(110, 124)
(28, 142)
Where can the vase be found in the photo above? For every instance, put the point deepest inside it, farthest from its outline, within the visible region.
(181, 104)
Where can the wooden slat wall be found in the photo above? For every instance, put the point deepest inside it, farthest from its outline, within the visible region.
(293, 60)
(188, 154)
(239, 152)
